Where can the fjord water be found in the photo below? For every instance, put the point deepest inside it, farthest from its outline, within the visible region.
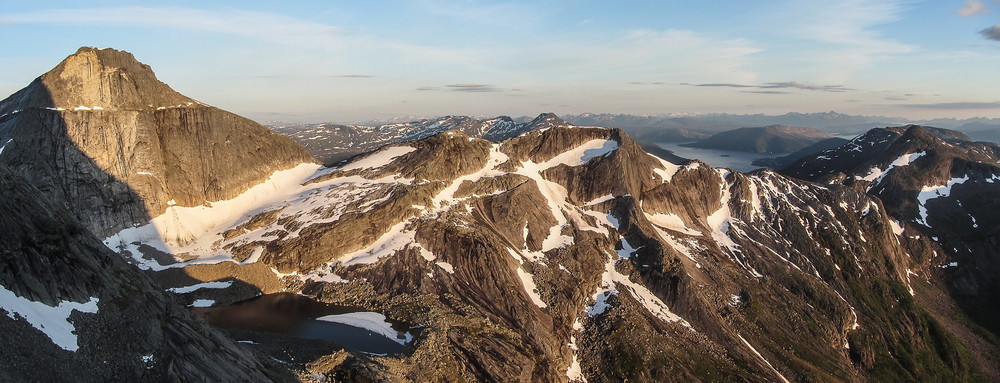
(738, 161)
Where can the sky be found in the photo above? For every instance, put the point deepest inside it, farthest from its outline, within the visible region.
(352, 61)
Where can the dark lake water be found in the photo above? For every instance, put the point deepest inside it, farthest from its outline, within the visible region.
(298, 315)
(738, 161)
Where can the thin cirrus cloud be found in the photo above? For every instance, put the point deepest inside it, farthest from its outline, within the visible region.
(955, 105)
(973, 8)
(638, 55)
(778, 85)
(471, 88)
(849, 33)
(261, 26)
(992, 33)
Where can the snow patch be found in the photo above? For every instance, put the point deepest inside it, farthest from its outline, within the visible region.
(584, 153)
(203, 285)
(51, 321)
(671, 221)
(388, 244)
(877, 174)
(371, 321)
(720, 220)
(528, 281)
(603, 198)
(935, 191)
(202, 303)
(896, 228)
(735, 300)
(626, 250)
(668, 171)
(182, 229)
(446, 266)
(5, 145)
(379, 159)
(611, 279)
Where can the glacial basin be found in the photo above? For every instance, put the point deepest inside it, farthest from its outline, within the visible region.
(350, 327)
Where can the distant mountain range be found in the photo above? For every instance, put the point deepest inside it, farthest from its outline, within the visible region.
(832, 122)
(332, 143)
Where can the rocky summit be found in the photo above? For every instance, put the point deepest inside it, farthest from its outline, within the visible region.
(102, 136)
(560, 253)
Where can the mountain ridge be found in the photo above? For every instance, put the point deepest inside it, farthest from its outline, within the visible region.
(562, 253)
(334, 143)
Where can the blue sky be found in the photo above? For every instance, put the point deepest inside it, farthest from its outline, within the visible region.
(358, 60)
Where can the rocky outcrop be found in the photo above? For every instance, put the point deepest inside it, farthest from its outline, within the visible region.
(121, 327)
(100, 134)
(942, 190)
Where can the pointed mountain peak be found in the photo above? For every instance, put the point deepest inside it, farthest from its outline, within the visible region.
(546, 120)
(95, 78)
(947, 135)
(120, 147)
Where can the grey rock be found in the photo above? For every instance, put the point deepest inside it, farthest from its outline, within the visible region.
(102, 135)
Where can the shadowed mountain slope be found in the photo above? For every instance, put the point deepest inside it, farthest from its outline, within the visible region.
(100, 134)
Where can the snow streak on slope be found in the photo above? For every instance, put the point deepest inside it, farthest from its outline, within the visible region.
(198, 231)
(782, 377)
(611, 279)
(51, 321)
(721, 219)
(671, 221)
(556, 194)
(379, 159)
(876, 174)
(396, 239)
(447, 196)
(935, 191)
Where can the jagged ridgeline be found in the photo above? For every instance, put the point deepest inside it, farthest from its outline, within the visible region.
(335, 143)
(943, 192)
(563, 253)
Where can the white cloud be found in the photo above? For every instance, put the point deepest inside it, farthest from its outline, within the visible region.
(973, 8)
(642, 55)
(509, 15)
(845, 34)
(261, 26)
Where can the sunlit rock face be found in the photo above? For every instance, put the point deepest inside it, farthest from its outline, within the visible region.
(102, 135)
